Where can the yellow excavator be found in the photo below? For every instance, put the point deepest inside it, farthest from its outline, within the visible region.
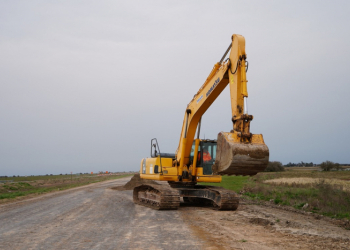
(237, 152)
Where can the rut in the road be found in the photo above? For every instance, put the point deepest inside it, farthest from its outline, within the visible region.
(134, 182)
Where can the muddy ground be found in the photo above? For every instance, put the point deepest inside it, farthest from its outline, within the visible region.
(99, 217)
(265, 227)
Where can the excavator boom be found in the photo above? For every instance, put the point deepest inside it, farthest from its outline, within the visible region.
(238, 152)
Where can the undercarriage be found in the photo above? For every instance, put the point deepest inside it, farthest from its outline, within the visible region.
(164, 197)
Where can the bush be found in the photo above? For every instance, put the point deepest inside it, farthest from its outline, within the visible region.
(328, 165)
(274, 166)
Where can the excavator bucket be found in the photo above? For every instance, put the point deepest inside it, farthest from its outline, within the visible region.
(236, 156)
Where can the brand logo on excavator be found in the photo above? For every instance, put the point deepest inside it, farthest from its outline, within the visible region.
(213, 87)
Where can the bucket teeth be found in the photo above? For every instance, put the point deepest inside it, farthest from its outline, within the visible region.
(234, 157)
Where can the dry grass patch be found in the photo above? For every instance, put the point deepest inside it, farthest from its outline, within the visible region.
(307, 180)
(305, 172)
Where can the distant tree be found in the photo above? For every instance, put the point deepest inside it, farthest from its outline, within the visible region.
(274, 166)
(337, 166)
(290, 164)
(328, 165)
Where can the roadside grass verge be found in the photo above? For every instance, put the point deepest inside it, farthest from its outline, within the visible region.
(341, 175)
(46, 177)
(326, 195)
(232, 182)
(12, 190)
(320, 197)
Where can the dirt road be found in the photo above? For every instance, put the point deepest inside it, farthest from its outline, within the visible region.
(97, 217)
(92, 217)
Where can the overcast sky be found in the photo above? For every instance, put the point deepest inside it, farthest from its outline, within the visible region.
(85, 85)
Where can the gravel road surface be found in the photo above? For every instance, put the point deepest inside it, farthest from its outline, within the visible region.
(92, 217)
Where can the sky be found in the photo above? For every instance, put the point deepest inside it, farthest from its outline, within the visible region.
(85, 85)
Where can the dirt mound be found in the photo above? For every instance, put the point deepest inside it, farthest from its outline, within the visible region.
(260, 221)
(134, 182)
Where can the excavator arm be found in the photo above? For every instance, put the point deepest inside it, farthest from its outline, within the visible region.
(238, 152)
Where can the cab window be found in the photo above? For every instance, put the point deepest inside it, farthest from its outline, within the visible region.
(208, 157)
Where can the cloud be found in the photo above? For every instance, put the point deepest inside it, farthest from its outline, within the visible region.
(86, 85)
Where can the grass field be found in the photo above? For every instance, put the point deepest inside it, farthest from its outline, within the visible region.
(46, 177)
(326, 193)
(307, 180)
(234, 183)
(14, 187)
(307, 172)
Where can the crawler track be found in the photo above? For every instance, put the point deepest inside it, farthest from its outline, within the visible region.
(221, 198)
(229, 200)
(160, 197)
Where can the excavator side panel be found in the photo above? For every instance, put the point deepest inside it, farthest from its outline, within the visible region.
(159, 169)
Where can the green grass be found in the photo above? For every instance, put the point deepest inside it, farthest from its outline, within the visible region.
(320, 197)
(46, 177)
(17, 189)
(234, 183)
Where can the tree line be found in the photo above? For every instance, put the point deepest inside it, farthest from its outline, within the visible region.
(276, 166)
(300, 164)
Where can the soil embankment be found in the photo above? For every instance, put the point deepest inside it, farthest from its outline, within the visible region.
(134, 182)
(263, 226)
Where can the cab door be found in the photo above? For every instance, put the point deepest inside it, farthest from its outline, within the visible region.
(206, 156)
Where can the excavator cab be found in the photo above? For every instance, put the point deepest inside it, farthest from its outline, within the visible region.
(206, 155)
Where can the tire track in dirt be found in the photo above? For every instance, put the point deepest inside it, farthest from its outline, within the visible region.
(262, 227)
(92, 217)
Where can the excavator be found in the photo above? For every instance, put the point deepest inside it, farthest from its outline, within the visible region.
(238, 152)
